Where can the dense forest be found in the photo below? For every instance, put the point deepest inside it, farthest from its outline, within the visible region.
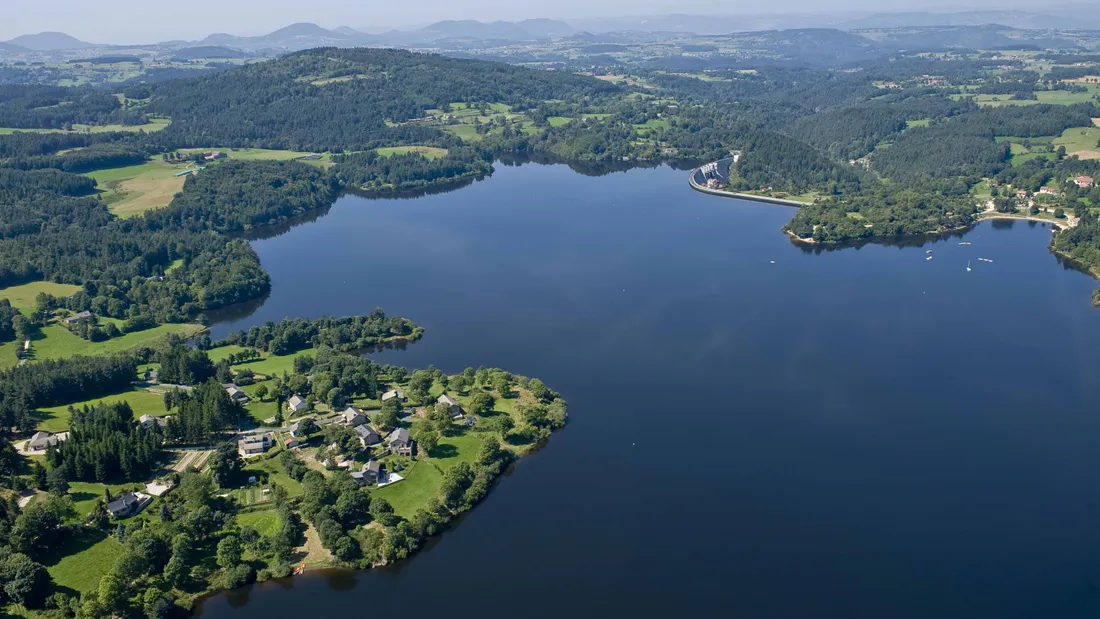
(25, 388)
(347, 334)
(105, 444)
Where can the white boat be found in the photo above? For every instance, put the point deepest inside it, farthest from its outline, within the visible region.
(968, 266)
(928, 258)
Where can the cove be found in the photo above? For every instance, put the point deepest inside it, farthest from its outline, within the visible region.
(851, 433)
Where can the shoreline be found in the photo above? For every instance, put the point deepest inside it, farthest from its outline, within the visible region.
(742, 196)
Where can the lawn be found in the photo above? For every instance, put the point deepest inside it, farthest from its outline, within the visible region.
(85, 493)
(271, 471)
(273, 365)
(57, 342)
(266, 522)
(421, 484)
(466, 132)
(133, 190)
(267, 364)
(559, 121)
(22, 297)
(80, 562)
(924, 122)
(430, 152)
(143, 402)
(1080, 141)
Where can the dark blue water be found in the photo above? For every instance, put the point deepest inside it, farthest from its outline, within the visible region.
(855, 433)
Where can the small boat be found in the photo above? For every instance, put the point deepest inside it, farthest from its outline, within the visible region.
(928, 251)
(928, 258)
(964, 243)
(301, 568)
(968, 266)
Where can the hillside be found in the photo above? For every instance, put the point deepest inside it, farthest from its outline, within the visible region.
(328, 99)
(49, 41)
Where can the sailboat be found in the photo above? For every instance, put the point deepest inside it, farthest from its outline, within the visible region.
(968, 266)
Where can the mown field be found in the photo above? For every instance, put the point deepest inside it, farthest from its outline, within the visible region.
(57, 342)
(142, 401)
(22, 297)
(155, 124)
(133, 190)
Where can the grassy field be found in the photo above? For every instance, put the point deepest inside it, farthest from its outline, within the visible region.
(266, 522)
(268, 365)
(924, 122)
(1055, 97)
(85, 493)
(56, 418)
(57, 342)
(87, 556)
(1081, 141)
(252, 154)
(22, 297)
(133, 190)
(430, 152)
(155, 124)
(272, 472)
(421, 484)
(559, 121)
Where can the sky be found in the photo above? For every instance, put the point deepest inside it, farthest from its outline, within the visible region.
(145, 21)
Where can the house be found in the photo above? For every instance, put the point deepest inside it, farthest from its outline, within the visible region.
(353, 417)
(400, 442)
(236, 394)
(290, 441)
(456, 410)
(1050, 191)
(367, 435)
(389, 395)
(148, 421)
(41, 441)
(254, 444)
(80, 317)
(129, 504)
(372, 472)
(296, 404)
(1083, 181)
(150, 376)
(1020, 193)
(211, 156)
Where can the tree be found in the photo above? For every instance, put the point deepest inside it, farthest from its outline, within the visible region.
(388, 417)
(38, 472)
(502, 384)
(538, 389)
(112, 591)
(23, 581)
(57, 482)
(225, 465)
(425, 436)
(229, 551)
(420, 385)
(1059, 213)
(261, 392)
(155, 604)
(382, 512)
(307, 427)
(481, 403)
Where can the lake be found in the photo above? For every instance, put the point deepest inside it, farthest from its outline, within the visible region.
(853, 433)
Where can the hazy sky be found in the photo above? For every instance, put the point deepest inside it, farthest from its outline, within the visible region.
(146, 21)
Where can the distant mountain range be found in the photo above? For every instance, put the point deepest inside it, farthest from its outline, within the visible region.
(459, 34)
(48, 42)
